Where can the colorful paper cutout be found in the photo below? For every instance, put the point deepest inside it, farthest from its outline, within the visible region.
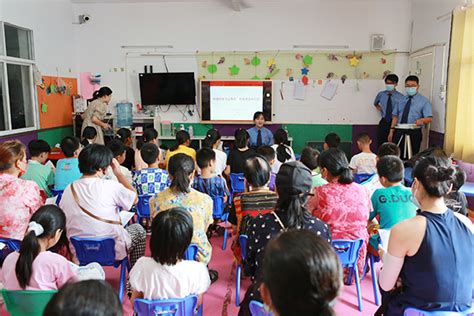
(289, 72)
(365, 75)
(291, 78)
(304, 71)
(234, 70)
(221, 61)
(305, 80)
(330, 75)
(270, 62)
(333, 57)
(354, 61)
(255, 61)
(44, 107)
(343, 78)
(255, 77)
(204, 64)
(383, 61)
(307, 60)
(320, 82)
(52, 89)
(247, 61)
(298, 56)
(212, 68)
(271, 68)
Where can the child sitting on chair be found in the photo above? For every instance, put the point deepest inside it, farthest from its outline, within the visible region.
(119, 151)
(364, 162)
(269, 154)
(89, 135)
(166, 274)
(309, 158)
(153, 179)
(210, 183)
(67, 169)
(38, 170)
(391, 204)
(36, 268)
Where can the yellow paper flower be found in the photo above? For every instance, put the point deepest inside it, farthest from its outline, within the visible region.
(354, 61)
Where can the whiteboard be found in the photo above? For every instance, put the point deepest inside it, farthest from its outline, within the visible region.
(352, 104)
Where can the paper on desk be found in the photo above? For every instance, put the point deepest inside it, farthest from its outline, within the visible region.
(329, 90)
(51, 200)
(125, 217)
(300, 91)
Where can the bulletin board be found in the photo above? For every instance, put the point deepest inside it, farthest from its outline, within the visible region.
(55, 101)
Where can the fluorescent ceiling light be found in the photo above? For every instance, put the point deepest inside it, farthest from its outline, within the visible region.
(321, 46)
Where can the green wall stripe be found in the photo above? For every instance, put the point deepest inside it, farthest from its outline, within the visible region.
(54, 135)
(303, 133)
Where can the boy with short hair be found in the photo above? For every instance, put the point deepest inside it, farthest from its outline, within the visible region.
(67, 169)
(119, 151)
(392, 203)
(151, 180)
(210, 183)
(332, 140)
(38, 171)
(365, 161)
(309, 158)
(269, 154)
(386, 149)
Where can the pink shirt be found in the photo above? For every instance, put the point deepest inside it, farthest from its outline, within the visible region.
(103, 198)
(50, 272)
(18, 200)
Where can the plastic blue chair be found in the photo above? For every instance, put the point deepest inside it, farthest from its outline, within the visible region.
(256, 309)
(243, 252)
(371, 260)
(418, 312)
(218, 213)
(143, 207)
(58, 193)
(171, 307)
(408, 176)
(348, 252)
(102, 251)
(191, 252)
(361, 177)
(237, 183)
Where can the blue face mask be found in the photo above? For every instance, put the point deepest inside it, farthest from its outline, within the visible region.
(411, 91)
(390, 87)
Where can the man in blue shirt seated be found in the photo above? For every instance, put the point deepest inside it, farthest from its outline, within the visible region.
(412, 109)
(259, 135)
(385, 101)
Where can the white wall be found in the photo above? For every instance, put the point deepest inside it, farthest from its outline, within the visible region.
(51, 22)
(431, 28)
(210, 26)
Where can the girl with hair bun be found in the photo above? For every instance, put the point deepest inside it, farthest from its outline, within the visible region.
(213, 141)
(432, 253)
(96, 111)
(342, 203)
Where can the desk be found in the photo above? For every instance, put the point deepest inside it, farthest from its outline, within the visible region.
(468, 189)
(201, 138)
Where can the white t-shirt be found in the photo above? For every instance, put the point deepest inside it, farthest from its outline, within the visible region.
(364, 163)
(221, 161)
(111, 176)
(276, 166)
(373, 184)
(103, 198)
(157, 281)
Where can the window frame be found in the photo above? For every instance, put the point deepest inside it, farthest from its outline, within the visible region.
(6, 60)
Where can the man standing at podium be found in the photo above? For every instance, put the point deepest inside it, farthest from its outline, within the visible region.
(385, 102)
(411, 109)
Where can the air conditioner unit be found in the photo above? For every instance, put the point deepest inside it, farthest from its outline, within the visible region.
(377, 42)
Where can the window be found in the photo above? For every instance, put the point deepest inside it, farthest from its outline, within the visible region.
(17, 95)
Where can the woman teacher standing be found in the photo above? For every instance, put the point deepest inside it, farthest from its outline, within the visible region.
(96, 112)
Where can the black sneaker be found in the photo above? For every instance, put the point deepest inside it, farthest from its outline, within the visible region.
(213, 275)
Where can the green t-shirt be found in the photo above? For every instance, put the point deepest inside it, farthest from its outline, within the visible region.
(393, 205)
(41, 174)
(317, 179)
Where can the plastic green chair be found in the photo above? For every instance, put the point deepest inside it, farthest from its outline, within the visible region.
(26, 303)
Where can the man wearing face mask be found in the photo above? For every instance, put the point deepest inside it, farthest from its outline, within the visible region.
(385, 102)
(412, 109)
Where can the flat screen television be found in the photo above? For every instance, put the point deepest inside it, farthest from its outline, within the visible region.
(235, 101)
(175, 88)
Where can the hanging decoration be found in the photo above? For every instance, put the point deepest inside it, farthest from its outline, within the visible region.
(343, 78)
(247, 61)
(304, 71)
(221, 61)
(298, 56)
(305, 80)
(234, 70)
(212, 68)
(383, 61)
(330, 75)
(204, 64)
(332, 57)
(307, 60)
(255, 61)
(289, 72)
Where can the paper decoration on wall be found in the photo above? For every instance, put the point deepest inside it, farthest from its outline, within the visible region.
(330, 75)
(298, 56)
(343, 78)
(255, 77)
(255, 61)
(305, 80)
(291, 79)
(307, 60)
(304, 71)
(247, 61)
(221, 61)
(204, 64)
(300, 91)
(383, 61)
(270, 62)
(234, 70)
(44, 107)
(271, 68)
(354, 61)
(202, 77)
(52, 88)
(95, 79)
(386, 73)
(38, 77)
(329, 90)
(365, 75)
(332, 57)
(320, 82)
(61, 87)
(289, 72)
(212, 68)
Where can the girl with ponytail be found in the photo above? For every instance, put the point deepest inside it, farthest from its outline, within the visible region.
(284, 153)
(183, 140)
(293, 184)
(342, 203)
(96, 112)
(213, 141)
(34, 267)
(181, 194)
